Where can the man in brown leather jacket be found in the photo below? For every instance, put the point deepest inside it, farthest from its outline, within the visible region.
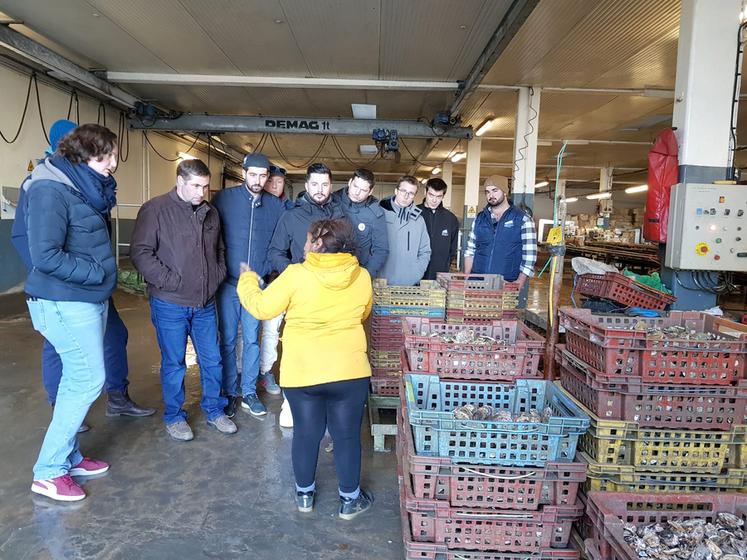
(177, 247)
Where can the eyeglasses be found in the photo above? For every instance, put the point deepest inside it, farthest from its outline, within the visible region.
(407, 194)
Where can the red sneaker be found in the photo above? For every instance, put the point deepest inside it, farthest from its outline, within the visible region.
(88, 467)
(61, 488)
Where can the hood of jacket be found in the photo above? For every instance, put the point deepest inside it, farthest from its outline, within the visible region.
(335, 271)
(45, 171)
(405, 214)
(371, 202)
(303, 201)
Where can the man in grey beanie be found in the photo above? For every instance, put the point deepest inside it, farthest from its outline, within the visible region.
(248, 216)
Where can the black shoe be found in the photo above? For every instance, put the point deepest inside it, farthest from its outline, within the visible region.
(230, 408)
(305, 501)
(349, 508)
(120, 404)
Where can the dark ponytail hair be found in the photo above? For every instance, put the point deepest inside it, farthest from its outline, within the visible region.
(337, 235)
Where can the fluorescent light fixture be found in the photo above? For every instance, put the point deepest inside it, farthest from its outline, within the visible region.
(484, 127)
(571, 199)
(577, 142)
(423, 180)
(639, 188)
(458, 157)
(544, 142)
(216, 138)
(363, 111)
(435, 171)
(541, 184)
(368, 149)
(248, 148)
(599, 196)
(185, 155)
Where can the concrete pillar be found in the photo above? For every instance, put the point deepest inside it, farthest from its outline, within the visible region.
(706, 54)
(471, 186)
(525, 146)
(448, 173)
(605, 184)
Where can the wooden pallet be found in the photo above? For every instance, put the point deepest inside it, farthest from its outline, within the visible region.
(379, 428)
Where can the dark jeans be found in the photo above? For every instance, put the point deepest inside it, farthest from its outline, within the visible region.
(115, 358)
(174, 323)
(335, 406)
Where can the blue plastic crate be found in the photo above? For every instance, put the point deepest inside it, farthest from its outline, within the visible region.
(430, 402)
(398, 311)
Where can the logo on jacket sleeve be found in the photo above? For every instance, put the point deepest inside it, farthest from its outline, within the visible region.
(361, 227)
(445, 233)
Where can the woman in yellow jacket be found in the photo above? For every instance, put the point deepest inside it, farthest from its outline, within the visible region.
(324, 370)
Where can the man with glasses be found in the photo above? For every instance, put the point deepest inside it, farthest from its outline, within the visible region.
(409, 244)
(367, 218)
(443, 228)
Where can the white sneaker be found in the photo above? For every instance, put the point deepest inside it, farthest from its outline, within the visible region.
(286, 416)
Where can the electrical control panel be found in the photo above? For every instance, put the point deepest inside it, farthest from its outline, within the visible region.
(707, 227)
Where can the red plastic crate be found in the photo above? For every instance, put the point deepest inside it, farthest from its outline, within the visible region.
(711, 407)
(623, 289)
(608, 344)
(518, 358)
(385, 386)
(483, 486)
(609, 511)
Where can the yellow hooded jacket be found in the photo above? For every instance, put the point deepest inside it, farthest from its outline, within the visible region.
(326, 299)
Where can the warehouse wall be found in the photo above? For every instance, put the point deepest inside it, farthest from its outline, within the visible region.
(142, 176)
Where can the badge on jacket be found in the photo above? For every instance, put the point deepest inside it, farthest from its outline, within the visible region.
(509, 223)
(362, 227)
(445, 233)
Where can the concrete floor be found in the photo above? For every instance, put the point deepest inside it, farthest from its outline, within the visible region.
(215, 497)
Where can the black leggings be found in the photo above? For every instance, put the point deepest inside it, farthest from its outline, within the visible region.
(335, 406)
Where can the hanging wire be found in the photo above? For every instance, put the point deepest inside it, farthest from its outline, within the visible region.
(73, 97)
(101, 112)
(197, 136)
(260, 144)
(304, 164)
(38, 106)
(416, 160)
(522, 150)
(123, 133)
(23, 116)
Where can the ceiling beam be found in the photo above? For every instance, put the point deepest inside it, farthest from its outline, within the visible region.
(276, 81)
(63, 69)
(515, 17)
(297, 125)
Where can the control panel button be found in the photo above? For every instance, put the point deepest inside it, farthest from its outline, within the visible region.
(740, 213)
(742, 254)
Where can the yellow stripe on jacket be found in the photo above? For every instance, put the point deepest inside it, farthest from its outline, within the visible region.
(326, 299)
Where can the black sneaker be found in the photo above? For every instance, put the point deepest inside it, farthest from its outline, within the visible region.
(230, 408)
(305, 501)
(349, 507)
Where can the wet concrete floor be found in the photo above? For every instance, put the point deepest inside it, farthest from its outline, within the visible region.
(216, 497)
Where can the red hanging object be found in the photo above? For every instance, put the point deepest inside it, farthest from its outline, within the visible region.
(663, 172)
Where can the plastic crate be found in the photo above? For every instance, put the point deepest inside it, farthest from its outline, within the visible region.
(428, 294)
(711, 407)
(482, 486)
(617, 442)
(400, 311)
(609, 344)
(620, 478)
(432, 551)
(624, 290)
(385, 386)
(518, 357)
(609, 511)
(524, 531)
(459, 281)
(429, 402)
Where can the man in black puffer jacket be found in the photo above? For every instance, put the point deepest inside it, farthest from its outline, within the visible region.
(443, 228)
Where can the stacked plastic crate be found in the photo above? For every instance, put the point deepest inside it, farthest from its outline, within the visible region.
(478, 298)
(667, 399)
(385, 340)
(498, 487)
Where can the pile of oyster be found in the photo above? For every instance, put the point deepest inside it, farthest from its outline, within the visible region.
(467, 336)
(492, 414)
(694, 539)
(675, 332)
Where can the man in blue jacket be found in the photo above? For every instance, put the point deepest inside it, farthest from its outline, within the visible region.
(118, 402)
(502, 240)
(248, 216)
(367, 218)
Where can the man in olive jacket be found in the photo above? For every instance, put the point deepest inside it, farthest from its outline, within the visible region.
(177, 247)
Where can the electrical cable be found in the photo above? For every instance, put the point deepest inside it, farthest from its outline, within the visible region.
(305, 164)
(38, 106)
(73, 96)
(100, 113)
(23, 116)
(530, 130)
(145, 135)
(123, 134)
(416, 160)
(735, 93)
(336, 142)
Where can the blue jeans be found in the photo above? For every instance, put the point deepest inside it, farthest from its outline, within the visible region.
(230, 312)
(174, 323)
(115, 358)
(76, 330)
